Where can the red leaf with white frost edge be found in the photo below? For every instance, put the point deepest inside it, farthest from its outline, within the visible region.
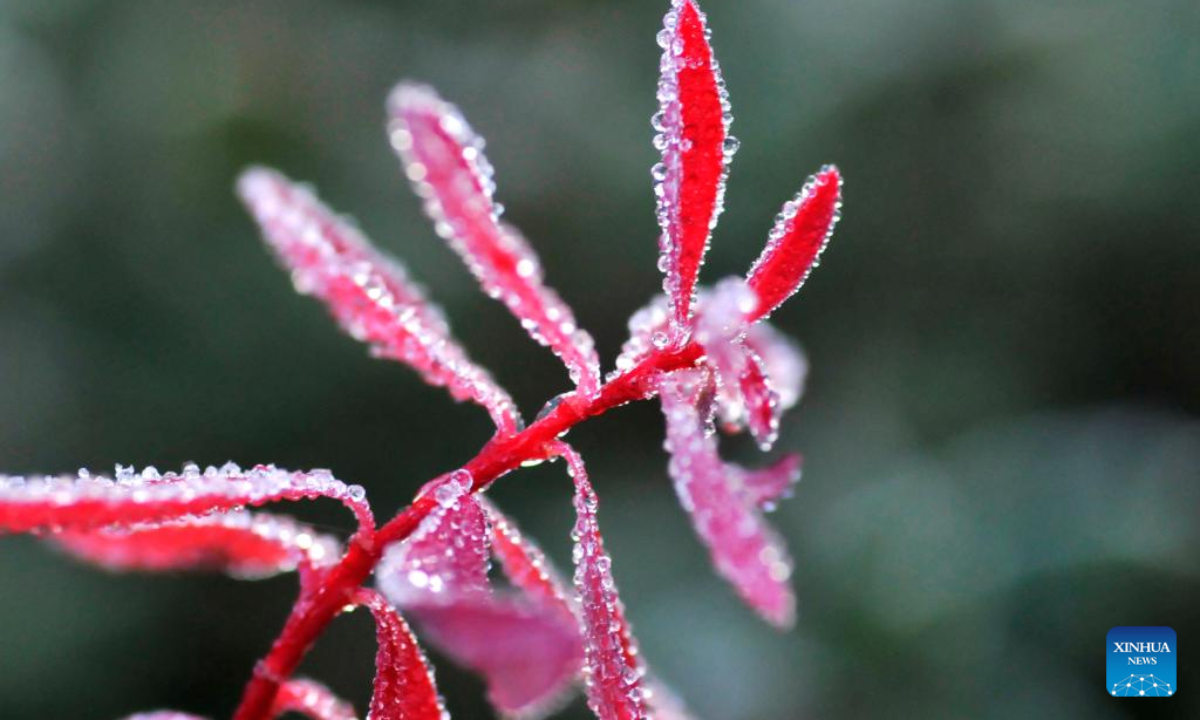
(762, 405)
(243, 544)
(86, 501)
(763, 487)
(612, 669)
(693, 135)
(446, 557)
(368, 293)
(404, 688)
(162, 715)
(311, 699)
(744, 550)
(783, 361)
(444, 159)
(794, 246)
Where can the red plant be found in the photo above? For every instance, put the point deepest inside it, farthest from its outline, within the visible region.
(705, 355)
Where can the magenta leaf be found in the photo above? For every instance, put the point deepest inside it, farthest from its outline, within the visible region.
(612, 669)
(242, 544)
(525, 565)
(446, 558)
(693, 135)
(794, 246)
(311, 699)
(527, 654)
(764, 487)
(368, 293)
(744, 550)
(444, 159)
(720, 325)
(404, 687)
(525, 645)
(87, 501)
(663, 703)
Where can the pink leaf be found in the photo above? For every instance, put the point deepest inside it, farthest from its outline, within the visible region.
(764, 487)
(664, 704)
(783, 362)
(801, 232)
(444, 159)
(647, 332)
(527, 647)
(243, 544)
(525, 565)
(693, 125)
(404, 688)
(720, 325)
(446, 558)
(612, 669)
(311, 699)
(85, 501)
(744, 549)
(369, 294)
(527, 653)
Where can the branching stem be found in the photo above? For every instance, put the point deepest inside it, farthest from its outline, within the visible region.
(324, 599)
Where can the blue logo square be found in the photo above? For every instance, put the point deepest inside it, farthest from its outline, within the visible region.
(1141, 662)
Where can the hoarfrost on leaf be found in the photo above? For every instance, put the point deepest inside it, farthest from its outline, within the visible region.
(444, 159)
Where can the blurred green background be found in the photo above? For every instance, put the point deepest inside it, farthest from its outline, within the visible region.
(1001, 426)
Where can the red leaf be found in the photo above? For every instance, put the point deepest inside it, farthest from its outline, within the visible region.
(404, 688)
(368, 293)
(744, 550)
(444, 159)
(693, 135)
(763, 408)
(85, 501)
(311, 699)
(446, 557)
(783, 362)
(612, 669)
(248, 545)
(794, 246)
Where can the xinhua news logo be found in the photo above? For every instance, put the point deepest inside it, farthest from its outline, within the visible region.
(1141, 662)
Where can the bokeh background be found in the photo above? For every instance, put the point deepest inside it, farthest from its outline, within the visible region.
(1001, 426)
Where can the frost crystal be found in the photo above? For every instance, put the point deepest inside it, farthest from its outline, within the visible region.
(368, 293)
(444, 159)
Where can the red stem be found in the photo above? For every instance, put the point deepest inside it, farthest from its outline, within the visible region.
(320, 604)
